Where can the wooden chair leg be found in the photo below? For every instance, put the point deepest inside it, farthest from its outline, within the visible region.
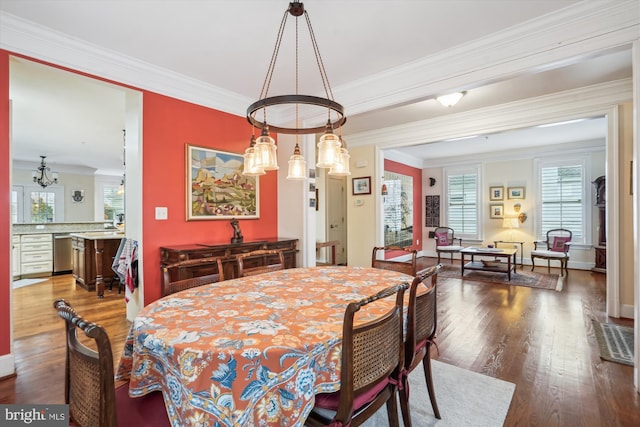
(426, 364)
(533, 263)
(392, 411)
(548, 266)
(404, 404)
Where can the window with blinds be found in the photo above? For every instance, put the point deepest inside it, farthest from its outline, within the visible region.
(562, 199)
(462, 203)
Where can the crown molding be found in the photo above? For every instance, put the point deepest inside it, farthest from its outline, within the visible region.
(29, 39)
(577, 103)
(577, 30)
(567, 35)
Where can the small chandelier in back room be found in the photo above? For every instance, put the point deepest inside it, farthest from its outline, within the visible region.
(260, 156)
(41, 176)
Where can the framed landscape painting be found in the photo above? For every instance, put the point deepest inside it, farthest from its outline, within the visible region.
(216, 188)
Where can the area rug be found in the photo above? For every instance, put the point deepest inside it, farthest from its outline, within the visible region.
(615, 342)
(465, 398)
(527, 278)
(26, 282)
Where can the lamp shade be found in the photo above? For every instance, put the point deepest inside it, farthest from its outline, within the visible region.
(297, 165)
(341, 167)
(328, 150)
(265, 152)
(510, 223)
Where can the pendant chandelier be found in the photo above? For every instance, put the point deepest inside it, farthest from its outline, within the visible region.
(41, 176)
(260, 156)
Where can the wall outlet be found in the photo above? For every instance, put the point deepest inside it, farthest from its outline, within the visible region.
(40, 227)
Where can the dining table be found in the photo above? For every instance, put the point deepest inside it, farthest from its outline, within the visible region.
(251, 351)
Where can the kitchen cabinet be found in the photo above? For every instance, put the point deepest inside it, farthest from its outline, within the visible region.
(89, 249)
(15, 255)
(36, 254)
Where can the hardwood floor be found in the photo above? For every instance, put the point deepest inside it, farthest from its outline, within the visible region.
(541, 340)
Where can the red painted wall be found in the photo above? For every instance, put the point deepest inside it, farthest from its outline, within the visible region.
(403, 169)
(168, 125)
(5, 220)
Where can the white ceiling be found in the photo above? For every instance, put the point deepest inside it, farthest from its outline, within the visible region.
(227, 44)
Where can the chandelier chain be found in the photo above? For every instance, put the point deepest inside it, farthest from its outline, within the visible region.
(319, 62)
(274, 56)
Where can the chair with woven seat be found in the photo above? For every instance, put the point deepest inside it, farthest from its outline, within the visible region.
(203, 271)
(554, 248)
(260, 261)
(371, 362)
(407, 267)
(446, 242)
(89, 388)
(421, 332)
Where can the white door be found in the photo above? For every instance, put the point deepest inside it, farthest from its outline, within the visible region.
(336, 216)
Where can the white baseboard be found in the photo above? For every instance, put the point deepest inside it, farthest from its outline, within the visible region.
(7, 365)
(626, 311)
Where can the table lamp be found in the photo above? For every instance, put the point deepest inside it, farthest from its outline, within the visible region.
(510, 223)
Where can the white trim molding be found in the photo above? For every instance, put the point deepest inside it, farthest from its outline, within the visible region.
(7, 365)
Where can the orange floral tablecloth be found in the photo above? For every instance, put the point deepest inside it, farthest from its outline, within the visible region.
(247, 352)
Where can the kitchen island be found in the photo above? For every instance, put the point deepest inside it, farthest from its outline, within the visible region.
(93, 254)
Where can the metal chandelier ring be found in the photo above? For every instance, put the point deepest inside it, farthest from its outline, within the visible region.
(296, 99)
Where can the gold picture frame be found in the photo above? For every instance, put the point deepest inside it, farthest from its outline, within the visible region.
(496, 193)
(216, 187)
(515, 192)
(496, 211)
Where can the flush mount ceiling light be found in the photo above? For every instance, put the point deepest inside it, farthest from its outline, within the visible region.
(450, 99)
(263, 152)
(41, 176)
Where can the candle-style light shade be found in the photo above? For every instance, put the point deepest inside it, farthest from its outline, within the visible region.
(265, 152)
(250, 168)
(297, 165)
(328, 149)
(341, 167)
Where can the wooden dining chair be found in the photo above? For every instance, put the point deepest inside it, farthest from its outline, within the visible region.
(203, 271)
(89, 387)
(407, 267)
(259, 261)
(421, 332)
(371, 362)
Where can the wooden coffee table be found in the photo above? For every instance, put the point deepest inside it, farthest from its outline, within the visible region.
(495, 265)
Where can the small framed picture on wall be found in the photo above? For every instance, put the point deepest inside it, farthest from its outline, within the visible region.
(496, 210)
(515, 192)
(496, 193)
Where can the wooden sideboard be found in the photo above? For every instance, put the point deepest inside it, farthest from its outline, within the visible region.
(228, 251)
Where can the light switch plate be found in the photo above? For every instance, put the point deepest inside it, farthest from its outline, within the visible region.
(162, 213)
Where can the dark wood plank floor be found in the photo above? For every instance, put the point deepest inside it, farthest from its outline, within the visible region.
(540, 340)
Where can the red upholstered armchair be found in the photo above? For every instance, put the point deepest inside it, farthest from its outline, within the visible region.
(555, 248)
(446, 242)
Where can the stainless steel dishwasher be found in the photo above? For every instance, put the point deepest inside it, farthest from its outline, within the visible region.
(62, 253)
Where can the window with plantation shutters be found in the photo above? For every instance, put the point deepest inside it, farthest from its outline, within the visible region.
(562, 204)
(462, 202)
